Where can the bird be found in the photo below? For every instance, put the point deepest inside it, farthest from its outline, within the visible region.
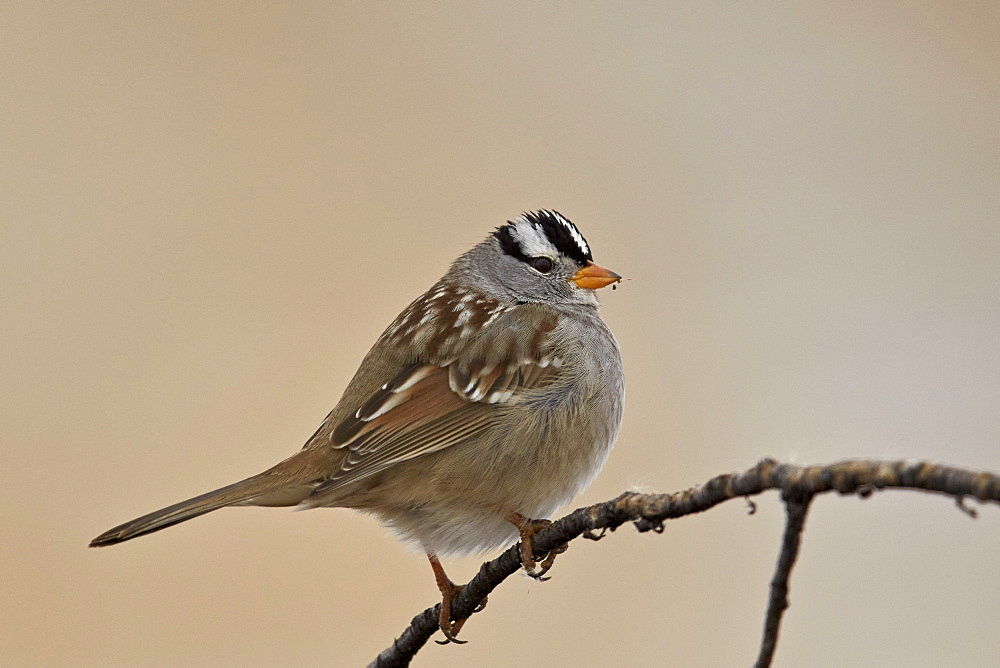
(490, 401)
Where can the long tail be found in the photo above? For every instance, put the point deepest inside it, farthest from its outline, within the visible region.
(186, 510)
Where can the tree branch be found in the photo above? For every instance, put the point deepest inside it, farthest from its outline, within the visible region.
(795, 510)
(798, 484)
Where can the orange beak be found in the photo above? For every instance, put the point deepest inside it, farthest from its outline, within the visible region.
(594, 276)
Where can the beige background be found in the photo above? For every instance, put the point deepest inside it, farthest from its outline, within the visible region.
(210, 210)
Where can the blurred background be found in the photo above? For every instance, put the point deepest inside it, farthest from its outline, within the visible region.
(210, 210)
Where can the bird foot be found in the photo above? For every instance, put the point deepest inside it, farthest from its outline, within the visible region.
(449, 590)
(527, 528)
(450, 631)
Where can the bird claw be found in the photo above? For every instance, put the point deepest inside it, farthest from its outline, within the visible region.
(451, 629)
(550, 559)
(456, 626)
(527, 528)
(449, 590)
(451, 637)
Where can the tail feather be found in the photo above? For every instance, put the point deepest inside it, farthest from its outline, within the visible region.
(185, 510)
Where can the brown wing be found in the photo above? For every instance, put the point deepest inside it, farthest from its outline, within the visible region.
(432, 405)
(427, 408)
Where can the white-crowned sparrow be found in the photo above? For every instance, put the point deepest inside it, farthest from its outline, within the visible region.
(491, 400)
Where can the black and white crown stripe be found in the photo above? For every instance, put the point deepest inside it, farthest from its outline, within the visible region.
(574, 233)
(541, 232)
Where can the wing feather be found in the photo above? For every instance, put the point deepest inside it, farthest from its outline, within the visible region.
(428, 407)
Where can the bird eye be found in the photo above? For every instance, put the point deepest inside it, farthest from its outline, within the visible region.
(541, 264)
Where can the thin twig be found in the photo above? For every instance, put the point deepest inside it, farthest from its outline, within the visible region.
(649, 512)
(795, 511)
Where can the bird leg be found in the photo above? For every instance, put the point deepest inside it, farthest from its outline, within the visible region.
(449, 590)
(527, 528)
